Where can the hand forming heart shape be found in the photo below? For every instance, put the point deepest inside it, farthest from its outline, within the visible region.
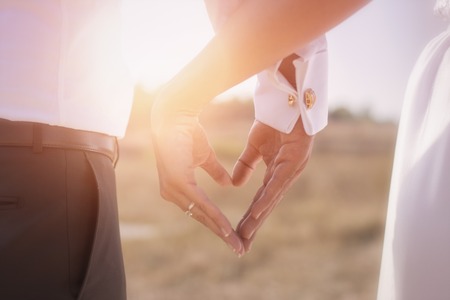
(181, 145)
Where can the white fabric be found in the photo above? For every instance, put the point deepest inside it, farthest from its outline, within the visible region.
(416, 263)
(442, 8)
(61, 64)
(273, 90)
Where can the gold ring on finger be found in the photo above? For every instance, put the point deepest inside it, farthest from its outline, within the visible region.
(188, 212)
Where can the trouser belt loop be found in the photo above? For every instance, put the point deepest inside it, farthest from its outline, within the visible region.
(37, 138)
(117, 152)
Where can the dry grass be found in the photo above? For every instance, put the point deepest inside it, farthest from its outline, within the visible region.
(322, 242)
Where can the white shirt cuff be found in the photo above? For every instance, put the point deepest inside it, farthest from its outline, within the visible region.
(279, 105)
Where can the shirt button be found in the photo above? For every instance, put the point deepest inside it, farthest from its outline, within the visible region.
(310, 98)
(291, 100)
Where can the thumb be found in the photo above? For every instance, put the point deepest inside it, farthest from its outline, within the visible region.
(215, 169)
(245, 165)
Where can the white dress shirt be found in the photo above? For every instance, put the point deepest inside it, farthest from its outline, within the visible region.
(277, 103)
(61, 64)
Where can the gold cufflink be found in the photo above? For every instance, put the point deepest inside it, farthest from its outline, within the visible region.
(310, 98)
(291, 100)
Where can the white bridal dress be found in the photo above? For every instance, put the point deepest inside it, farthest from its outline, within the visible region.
(416, 253)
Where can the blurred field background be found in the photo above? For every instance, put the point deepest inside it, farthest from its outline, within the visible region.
(322, 242)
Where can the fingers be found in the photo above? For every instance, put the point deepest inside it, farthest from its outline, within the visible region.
(180, 147)
(245, 165)
(280, 175)
(205, 157)
(250, 226)
(196, 204)
(248, 223)
(216, 170)
(280, 180)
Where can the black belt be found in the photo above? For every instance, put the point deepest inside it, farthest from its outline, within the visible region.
(38, 136)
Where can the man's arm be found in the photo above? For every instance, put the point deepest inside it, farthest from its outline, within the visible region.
(258, 34)
(255, 36)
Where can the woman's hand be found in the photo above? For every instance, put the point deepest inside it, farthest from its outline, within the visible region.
(181, 146)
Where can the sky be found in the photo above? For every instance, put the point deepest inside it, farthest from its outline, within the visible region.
(370, 55)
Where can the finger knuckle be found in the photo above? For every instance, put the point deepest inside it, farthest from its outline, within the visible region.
(165, 194)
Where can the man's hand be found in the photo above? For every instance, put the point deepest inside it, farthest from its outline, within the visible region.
(285, 156)
(181, 146)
